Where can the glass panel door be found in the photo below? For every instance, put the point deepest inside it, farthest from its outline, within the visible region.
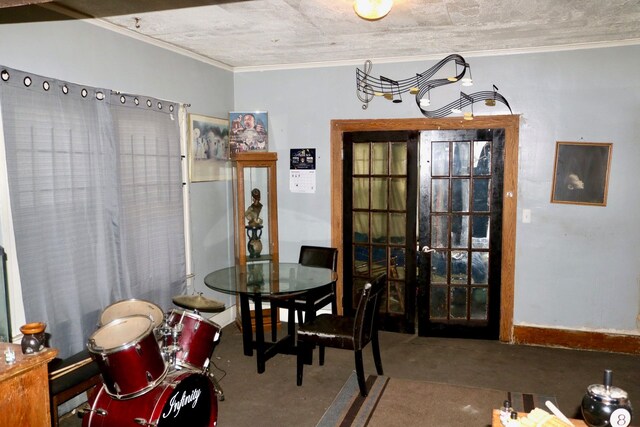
(380, 181)
(459, 233)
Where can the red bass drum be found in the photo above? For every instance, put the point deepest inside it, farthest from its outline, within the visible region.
(183, 399)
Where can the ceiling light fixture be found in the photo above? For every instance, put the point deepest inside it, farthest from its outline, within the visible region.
(368, 86)
(372, 10)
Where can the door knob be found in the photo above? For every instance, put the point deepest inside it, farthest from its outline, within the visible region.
(427, 249)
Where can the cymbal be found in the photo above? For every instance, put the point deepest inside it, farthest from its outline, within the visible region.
(198, 302)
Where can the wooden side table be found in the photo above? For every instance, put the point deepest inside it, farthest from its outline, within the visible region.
(24, 387)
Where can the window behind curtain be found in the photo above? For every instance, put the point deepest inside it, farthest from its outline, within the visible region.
(96, 195)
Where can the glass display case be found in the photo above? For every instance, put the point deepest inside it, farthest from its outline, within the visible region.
(255, 206)
(256, 215)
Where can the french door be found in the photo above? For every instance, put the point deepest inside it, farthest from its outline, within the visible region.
(380, 170)
(460, 233)
(436, 235)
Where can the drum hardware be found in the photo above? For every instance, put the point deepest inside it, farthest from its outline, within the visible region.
(143, 422)
(216, 386)
(85, 410)
(170, 334)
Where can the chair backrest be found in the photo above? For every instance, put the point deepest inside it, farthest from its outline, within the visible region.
(366, 313)
(319, 256)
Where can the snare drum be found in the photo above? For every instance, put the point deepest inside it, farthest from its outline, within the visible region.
(197, 340)
(129, 307)
(128, 356)
(184, 398)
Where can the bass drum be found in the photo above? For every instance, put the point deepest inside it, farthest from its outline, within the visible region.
(183, 399)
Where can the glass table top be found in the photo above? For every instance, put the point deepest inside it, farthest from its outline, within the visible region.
(268, 278)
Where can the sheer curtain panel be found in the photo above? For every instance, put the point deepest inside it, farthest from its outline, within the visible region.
(96, 194)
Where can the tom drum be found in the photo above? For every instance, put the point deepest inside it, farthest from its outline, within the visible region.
(129, 307)
(128, 356)
(197, 340)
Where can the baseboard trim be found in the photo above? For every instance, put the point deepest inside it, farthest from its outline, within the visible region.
(582, 340)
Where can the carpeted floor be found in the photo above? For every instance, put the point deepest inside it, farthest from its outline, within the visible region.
(273, 399)
(393, 401)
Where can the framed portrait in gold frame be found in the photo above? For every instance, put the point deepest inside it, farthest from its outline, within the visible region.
(581, 173)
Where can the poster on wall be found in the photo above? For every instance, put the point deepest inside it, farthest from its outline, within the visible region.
(302, 170)
(208, 149)
(581, 173)
(249, 131)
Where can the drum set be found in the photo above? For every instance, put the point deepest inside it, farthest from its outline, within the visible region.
(154, 366)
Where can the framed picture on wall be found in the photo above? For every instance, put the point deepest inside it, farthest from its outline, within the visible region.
(208, 148)
(581, 173)
(249, 131)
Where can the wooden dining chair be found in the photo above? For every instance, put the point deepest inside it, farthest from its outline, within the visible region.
(308, 303)
(349, 333)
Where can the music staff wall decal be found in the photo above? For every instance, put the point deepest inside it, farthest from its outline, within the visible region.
(368, 87)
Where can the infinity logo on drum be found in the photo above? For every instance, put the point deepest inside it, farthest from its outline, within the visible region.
(177, 404)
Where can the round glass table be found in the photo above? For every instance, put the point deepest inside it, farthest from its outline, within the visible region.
(275, 282)
(269, 278)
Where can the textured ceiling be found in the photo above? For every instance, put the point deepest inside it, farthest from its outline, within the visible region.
(259, 33)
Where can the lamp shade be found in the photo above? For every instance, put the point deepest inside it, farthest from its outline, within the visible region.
(372, 9)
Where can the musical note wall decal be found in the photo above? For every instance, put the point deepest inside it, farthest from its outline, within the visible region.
(421, 86)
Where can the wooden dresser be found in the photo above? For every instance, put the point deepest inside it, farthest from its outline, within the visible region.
(24, 388)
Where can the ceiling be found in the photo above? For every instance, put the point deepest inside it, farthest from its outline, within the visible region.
(279, 33)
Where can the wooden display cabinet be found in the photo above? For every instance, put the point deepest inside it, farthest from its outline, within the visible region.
(255, 170)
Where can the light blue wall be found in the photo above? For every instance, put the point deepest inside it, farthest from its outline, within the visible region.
(87, 54)
(576, 266)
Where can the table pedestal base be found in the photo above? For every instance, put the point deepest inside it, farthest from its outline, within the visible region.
(265, 350)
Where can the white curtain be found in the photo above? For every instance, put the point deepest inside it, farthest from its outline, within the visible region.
(96, 199)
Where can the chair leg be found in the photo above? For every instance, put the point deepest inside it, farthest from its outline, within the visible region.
(334, 300)
(360, 373)
(309, 312)
(274, 321)
(375, 347)
(302, 350)
(321, 354)
(54, 412)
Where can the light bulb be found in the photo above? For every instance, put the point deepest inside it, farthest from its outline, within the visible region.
(372, 9)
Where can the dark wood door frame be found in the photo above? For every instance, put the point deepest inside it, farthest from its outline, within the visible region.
(510, 124)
